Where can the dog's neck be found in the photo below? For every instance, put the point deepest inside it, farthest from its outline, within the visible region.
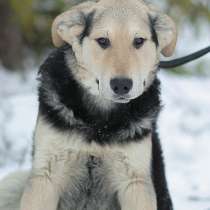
(69, 106)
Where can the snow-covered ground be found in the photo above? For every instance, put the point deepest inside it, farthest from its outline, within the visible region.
(18, 110)
(184, 127)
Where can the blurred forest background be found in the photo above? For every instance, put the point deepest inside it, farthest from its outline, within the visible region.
(25, 25)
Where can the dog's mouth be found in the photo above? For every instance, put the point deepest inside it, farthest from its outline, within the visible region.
(121, 99)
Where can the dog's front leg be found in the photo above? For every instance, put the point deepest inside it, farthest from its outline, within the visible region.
(130, 172)
(47, 182)
(54, 164)
(40, 194)
(138, 195)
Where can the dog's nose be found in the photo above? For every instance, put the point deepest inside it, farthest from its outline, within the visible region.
(121, 86)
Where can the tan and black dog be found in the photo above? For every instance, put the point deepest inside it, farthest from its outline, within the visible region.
(95, 143)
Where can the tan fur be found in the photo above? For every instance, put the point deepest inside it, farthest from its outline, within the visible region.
(59, 30)
(167, 39)
(11, 190)
(122, 59)
(57, 162)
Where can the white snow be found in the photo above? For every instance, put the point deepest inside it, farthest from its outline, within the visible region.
(184, 128)
(18, 110)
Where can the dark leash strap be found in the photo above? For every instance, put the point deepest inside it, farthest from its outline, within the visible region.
(183, 60)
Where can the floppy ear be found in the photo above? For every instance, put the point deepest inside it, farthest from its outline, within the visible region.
(165, 29)
(68, 26)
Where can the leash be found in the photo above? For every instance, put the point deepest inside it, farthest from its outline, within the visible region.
(183, 60)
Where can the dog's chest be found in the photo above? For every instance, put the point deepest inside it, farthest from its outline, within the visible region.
(91, 188)
(97, 177)
(94, 172)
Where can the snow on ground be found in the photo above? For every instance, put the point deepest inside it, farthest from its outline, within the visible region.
(185, 133)
(184, 127)
(18, 110)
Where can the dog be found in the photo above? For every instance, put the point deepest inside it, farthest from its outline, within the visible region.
(96, 144)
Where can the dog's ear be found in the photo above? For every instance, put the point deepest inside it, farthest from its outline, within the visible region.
(165, 29)
(68, 26)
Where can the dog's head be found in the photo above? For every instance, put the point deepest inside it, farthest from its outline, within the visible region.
(117, 44)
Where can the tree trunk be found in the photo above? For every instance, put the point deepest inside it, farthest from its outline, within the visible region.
(11, 43)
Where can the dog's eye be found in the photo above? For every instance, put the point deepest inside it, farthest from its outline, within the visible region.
(103, 42)
(138, 42)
